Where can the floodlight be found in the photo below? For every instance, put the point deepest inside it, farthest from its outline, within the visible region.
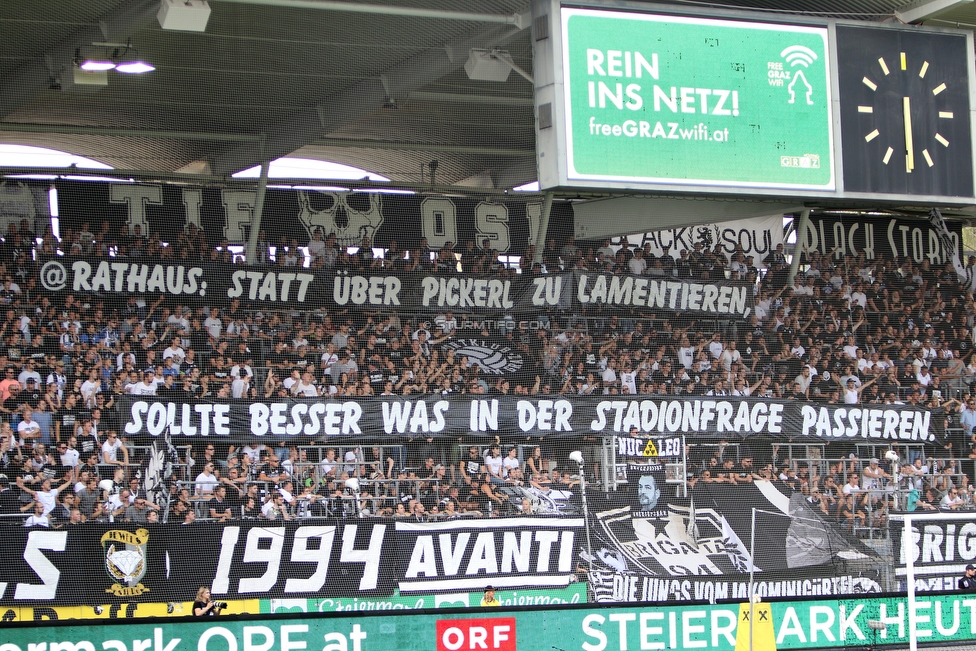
(132, 65)
(491, 65)
(96, 64)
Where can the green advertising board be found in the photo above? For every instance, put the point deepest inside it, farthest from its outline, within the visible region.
(783, 625)
(654, 100)
(575, 593)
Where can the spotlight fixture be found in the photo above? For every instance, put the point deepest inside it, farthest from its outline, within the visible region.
(131, 64)
(102, 57)
(97, 62)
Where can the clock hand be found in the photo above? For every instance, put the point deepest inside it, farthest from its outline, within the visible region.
(909, 147)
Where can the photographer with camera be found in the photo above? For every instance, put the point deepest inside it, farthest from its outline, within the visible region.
(204, 607)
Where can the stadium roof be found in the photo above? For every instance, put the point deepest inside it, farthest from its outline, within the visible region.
(384, 91)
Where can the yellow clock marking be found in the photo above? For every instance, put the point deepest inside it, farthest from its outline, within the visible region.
(942, 140)
(871, 136)
(945, 114)
(904, 62)
(870, 84)
(884, 66)
(938, 89)
(865, 109)
(928, 159)
(925, 68)
(887, 156)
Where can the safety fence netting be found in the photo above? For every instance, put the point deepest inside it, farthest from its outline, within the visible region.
(400, 403)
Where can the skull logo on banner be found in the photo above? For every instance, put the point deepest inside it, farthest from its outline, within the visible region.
(350, 216)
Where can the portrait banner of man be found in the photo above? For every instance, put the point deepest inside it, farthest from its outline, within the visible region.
(648, 489)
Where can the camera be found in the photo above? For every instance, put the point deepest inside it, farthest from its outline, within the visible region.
(220, 605)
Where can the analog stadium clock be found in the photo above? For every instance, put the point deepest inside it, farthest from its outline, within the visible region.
(905, 112)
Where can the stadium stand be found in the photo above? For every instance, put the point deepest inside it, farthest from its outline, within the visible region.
(848, 331)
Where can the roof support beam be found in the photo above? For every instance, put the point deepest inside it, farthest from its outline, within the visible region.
(362, 99)
(348, 143)
(925, 9)
(519, 20)
(460, 98)
(36, 74)
(21, 127)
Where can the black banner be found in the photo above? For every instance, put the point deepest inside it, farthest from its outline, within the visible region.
(311, 558)
(225, 213)
(942, 550)
(697, 550)
(159, 562)
(700, 548)
(295, 287)
(436, 415)
(914, 239)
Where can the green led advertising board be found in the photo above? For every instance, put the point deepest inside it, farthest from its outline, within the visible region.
(654, 100)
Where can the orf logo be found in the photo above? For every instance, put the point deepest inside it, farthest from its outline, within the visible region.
(495, 634)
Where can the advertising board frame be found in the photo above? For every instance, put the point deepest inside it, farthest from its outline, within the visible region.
(551, 97)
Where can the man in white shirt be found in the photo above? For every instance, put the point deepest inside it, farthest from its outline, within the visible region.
(175, 351)
(29, 372)
(715, 346)
(111, 448)
(951, 500)
(293, 379)
(47, 496)
(70, 457)
(803, 287)
(305, 388)
(606, 250)
(145, 387)
(329, 358)
(240, 369)
(637, 264)
(28, 430)
(316, 246)
(213, 325)
(730, 356)
(177, 319)
(852, 393)
(206, 481)
(804, 379)
(38, 518)
(253, 450)
(90, 388)
(329, 466)
(241, 386)
(609, 375)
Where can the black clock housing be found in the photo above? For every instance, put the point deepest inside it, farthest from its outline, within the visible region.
(858, 52)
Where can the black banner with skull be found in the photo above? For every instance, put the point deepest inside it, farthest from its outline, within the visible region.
(291, 216)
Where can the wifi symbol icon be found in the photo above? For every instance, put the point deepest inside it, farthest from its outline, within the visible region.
(799, 55)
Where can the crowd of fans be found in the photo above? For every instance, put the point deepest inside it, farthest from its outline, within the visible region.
(846, 330)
